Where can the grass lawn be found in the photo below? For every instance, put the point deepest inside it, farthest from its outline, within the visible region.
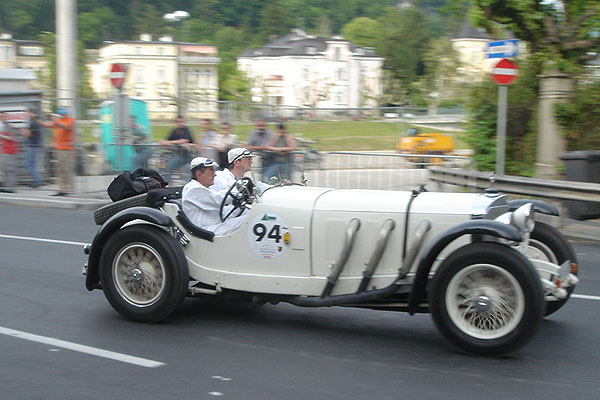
(329, 135)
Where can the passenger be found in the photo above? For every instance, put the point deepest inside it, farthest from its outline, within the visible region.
(202, 204)
(239, 163)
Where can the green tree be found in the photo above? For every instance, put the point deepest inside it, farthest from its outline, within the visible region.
(274, 20)
(362, 31)
(580, 119)
(404, 39)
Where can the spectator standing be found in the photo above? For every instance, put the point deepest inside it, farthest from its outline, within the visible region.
(10, 148)
(142, 145)
(208, 141)
(281, 144)
(33, 136)
(181, 140)
(224, 142)
(258, 141)
(64, 138)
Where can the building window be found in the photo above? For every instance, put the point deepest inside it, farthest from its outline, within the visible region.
(205, 81)
(138, 50)
(6, 53)
(162, 74)
(361, 51)
(161, 51)
(305, 73)
(340, 97)
(311, 50)
(340, 74)
(338, 54)
(139, 74)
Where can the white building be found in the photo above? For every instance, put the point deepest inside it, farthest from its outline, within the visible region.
(303, 70)
(164, 73)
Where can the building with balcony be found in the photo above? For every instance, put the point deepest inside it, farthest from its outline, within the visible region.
(172, 77)
(303, 70)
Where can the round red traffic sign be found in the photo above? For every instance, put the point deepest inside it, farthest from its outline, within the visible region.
(505, 72)
(117, 75)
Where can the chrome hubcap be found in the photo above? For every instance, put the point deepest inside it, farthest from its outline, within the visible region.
(485, 301)
(139, 274)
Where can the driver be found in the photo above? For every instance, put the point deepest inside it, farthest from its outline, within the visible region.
(240, 162)
(202, 204)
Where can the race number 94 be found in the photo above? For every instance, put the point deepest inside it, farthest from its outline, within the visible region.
(267, 234)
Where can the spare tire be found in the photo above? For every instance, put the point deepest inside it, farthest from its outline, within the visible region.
(102, 214)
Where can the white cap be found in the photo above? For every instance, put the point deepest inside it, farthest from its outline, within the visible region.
(203, 162)
(237, 153)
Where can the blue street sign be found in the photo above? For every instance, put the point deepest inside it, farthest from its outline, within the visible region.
(503, 48)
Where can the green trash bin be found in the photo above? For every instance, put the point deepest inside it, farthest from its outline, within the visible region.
(582, 166)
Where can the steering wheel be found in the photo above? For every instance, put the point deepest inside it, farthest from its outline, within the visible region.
(241, 193)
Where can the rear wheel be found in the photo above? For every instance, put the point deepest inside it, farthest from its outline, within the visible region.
(548, 244)
(487, 299)
(144, 273)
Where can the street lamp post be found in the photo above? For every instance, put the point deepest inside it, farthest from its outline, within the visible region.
(175, 17)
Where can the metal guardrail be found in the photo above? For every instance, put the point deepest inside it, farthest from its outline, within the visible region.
(543, 188)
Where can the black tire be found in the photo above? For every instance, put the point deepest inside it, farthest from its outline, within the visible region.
(487, 299)
(102, 214)
(551, 245)
(144, 273)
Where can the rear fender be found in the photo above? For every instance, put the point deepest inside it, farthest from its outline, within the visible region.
(473, 227)
(116, 222)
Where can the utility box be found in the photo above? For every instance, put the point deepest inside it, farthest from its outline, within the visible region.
(583, 166)
(119, 147)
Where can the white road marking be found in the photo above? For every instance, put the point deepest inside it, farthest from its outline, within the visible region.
(142, 362)
(42, 240)
(585, 296)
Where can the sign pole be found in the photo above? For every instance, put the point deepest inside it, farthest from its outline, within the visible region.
(501, 129)
(504, 73)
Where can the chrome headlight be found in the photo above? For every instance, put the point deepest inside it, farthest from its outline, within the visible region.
(521, 218)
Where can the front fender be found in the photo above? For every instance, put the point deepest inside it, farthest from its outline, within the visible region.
(152, 215)
(538, 206)
(473, 227)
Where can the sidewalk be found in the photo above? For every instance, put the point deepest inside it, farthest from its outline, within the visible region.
(92, 195)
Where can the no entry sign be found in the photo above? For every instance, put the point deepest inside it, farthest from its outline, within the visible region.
(117, 75)
(505, 72)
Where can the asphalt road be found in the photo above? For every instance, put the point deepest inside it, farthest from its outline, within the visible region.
(59, 341)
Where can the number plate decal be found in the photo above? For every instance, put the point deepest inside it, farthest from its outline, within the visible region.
(268, 235)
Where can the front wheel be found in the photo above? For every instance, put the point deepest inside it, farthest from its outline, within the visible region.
(548, 244)
(487, 299)
(144, 273)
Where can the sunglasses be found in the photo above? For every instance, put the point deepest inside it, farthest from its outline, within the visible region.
(245, 153)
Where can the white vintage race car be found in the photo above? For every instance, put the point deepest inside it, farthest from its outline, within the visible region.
(478, 263)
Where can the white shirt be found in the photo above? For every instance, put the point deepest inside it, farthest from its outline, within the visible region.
(201, 205)
(225, 178)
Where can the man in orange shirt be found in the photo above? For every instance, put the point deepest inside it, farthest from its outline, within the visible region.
(64, 138)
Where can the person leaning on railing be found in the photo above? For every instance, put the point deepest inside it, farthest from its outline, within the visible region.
(181, 139)
(282, 144)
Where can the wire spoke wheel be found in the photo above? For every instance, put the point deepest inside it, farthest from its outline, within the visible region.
(484, 301)
(487, 299)
(139, 274)
(144, 273)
